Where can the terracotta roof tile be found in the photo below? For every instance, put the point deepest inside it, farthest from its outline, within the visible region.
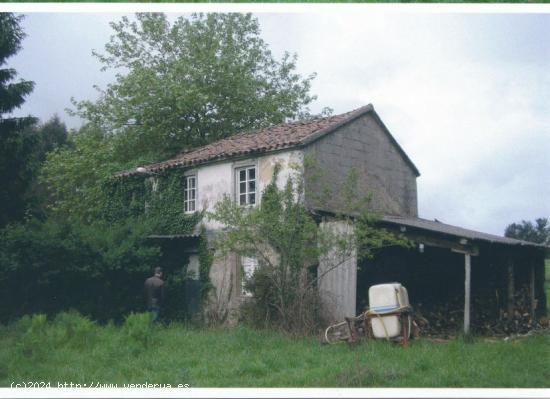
(286, 135)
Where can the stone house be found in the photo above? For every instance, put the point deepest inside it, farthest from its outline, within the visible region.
(448, 260)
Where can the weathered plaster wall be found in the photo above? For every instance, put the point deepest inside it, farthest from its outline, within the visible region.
(364, 146)
(223, 301)
(216, 180)
(213, 182)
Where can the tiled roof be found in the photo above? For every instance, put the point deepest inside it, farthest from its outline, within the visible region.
(438, 227)
(283, 136)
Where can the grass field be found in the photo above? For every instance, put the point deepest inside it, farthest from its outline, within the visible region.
(77, 351)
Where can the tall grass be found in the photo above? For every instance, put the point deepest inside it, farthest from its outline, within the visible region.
(73, 349)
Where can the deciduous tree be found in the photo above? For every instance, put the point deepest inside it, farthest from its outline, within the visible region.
(538, 232)
(191, 82)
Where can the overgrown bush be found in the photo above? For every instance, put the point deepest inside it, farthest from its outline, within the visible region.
(48, 267)
(302, 311)
(33, 343)
(138, 329)
(73, 329)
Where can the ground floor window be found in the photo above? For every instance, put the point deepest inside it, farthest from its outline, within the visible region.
(248, 266)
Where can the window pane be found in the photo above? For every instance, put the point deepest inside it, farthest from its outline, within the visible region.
(185, 195)
(242, 175)
(192, 194)
(251, 173)
(252, 198)
(185, 184)
(192, 206)
(242, 200)
(186, 206)
(252, 186)
(242, 188)
(192, 181)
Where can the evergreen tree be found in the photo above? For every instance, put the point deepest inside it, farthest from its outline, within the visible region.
(18, 161)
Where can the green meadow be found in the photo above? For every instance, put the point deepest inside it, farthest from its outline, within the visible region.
(73, 349)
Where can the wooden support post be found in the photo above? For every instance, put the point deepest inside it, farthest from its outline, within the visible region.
(533, 303)
(467, 280)
(510, 295)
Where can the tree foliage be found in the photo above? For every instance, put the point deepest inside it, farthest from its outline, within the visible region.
(75, 175)
(12, 94)
(538, 232)
(52, 266)
(53, 134)
(17, 148)
(191, 82)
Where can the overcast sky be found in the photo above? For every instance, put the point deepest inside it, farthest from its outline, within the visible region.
(466, 95)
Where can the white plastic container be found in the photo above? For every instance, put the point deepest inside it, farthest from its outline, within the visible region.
(385, 298)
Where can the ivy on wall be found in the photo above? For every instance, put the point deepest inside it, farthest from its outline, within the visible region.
(157, 198)
(206, 258)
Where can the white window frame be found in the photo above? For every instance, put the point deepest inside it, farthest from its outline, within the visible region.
(248, 264)
(152, 184)
(247, 193)
(190, 204)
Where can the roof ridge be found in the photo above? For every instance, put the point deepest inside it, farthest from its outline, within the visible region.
(279, 136)
(260, 129)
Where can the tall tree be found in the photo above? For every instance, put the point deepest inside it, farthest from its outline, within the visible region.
(46, 137)
(52, 134)
(538, 232)
(74, 174)
(17, 148)
(191, 82)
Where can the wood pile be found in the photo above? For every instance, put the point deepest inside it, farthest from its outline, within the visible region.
(439, 319)
(489, 316)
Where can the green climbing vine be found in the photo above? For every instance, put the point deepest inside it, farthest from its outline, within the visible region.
(206, 257)
(155, 202)
(158, 199)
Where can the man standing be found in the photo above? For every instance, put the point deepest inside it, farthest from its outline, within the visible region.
(154, 293)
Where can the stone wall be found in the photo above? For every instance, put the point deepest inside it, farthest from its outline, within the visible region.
(364, 146)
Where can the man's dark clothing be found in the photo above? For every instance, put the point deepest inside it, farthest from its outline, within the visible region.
(154, 293)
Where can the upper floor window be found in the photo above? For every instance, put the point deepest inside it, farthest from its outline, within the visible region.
(151, 186)
(189, 193)
(246, 185)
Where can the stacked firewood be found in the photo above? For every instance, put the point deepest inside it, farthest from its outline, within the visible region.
(488, 316)
(438, 319)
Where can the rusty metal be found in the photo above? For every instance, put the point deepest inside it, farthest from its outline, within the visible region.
(354, 329)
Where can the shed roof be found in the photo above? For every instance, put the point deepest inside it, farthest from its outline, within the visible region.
(447, 229)
(274, 138)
